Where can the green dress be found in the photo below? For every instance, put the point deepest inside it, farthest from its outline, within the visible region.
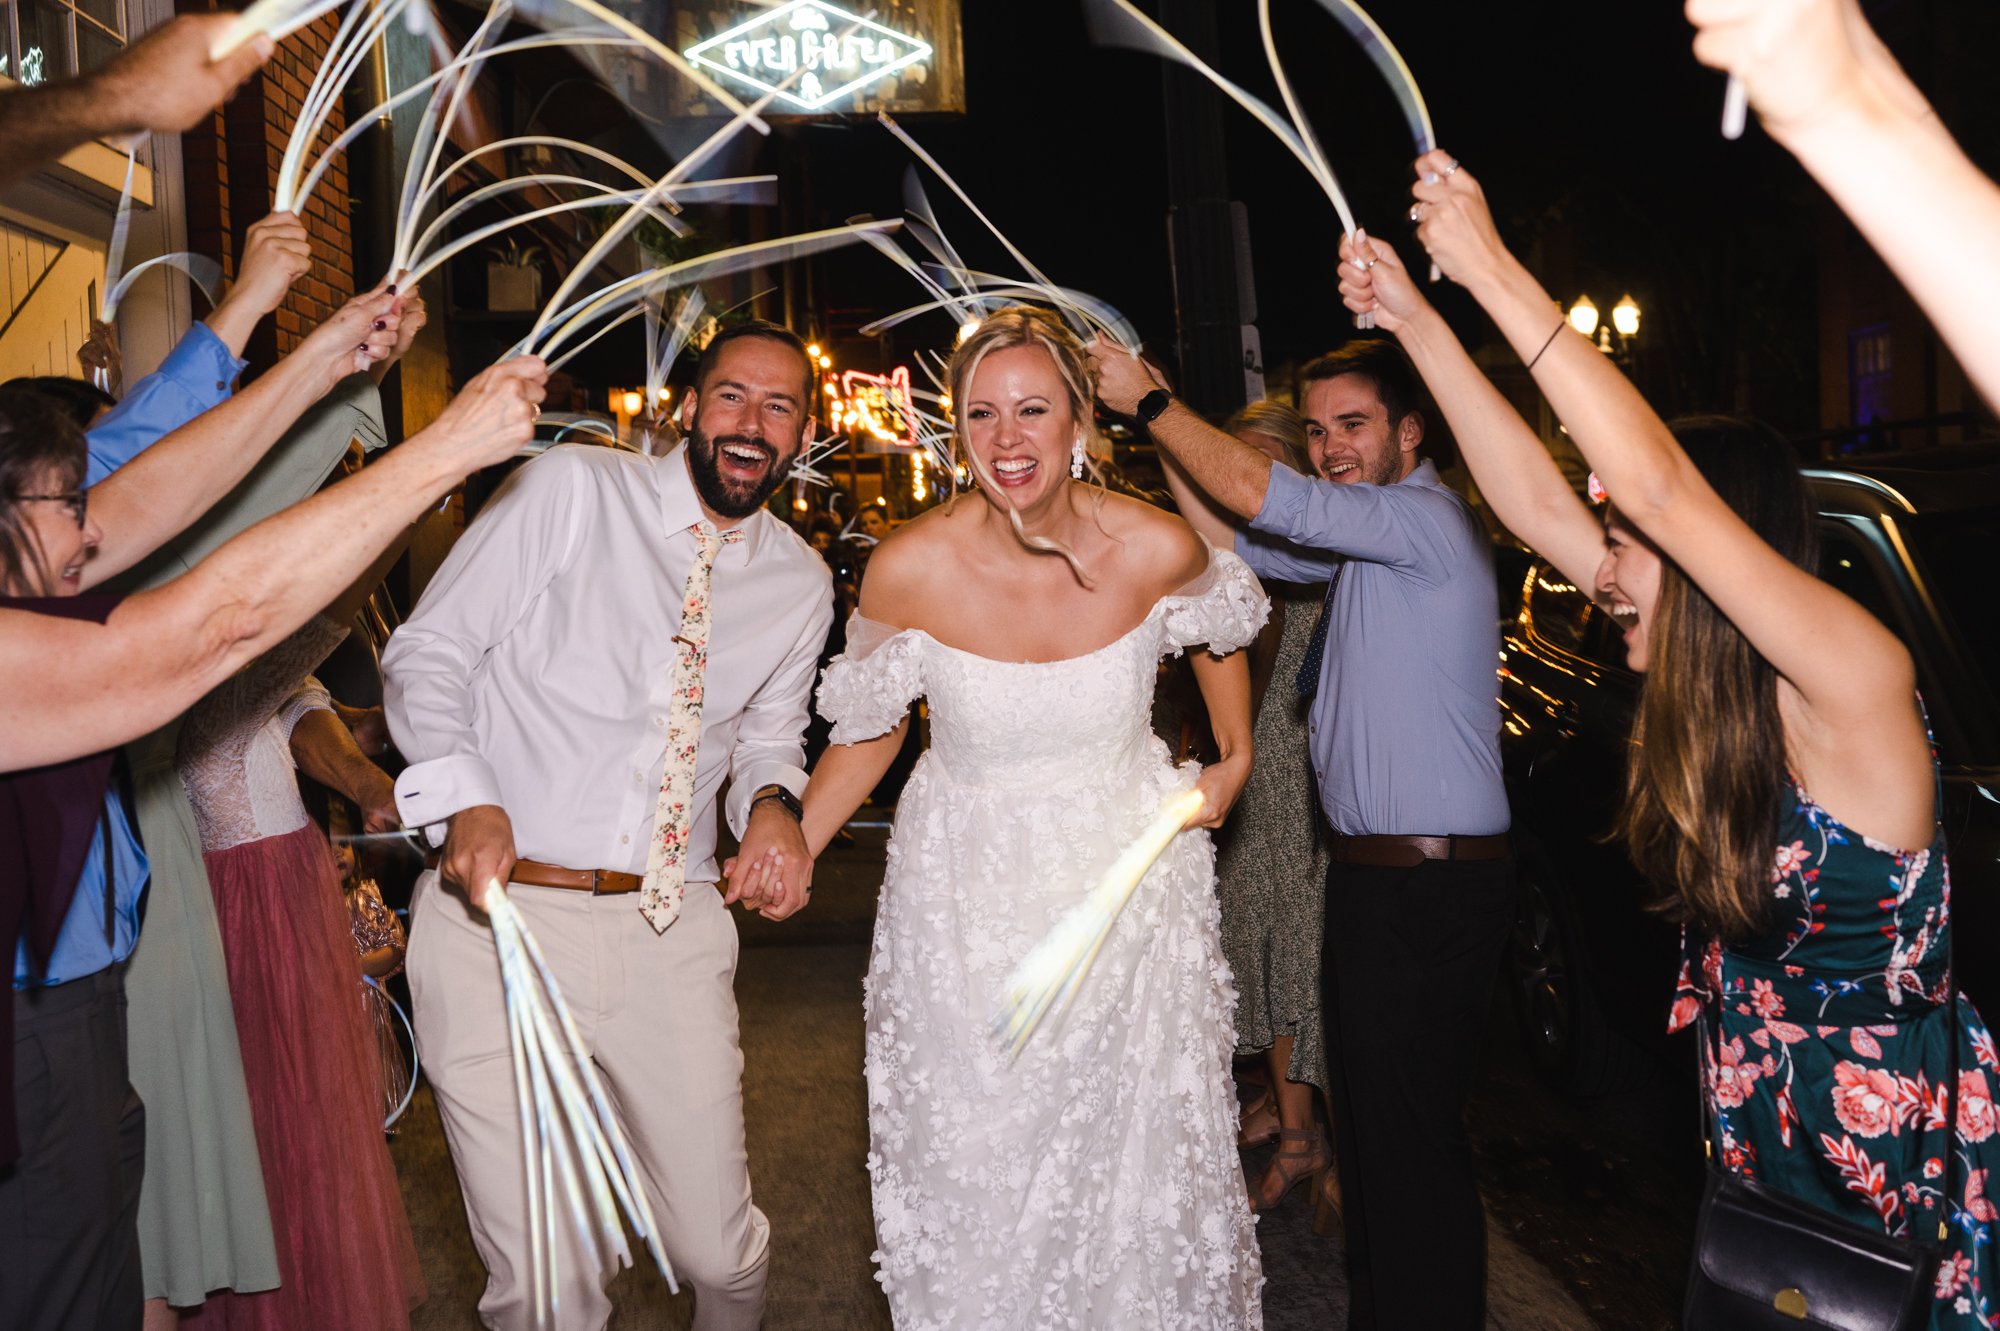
(203, 1220)
(1270, 868)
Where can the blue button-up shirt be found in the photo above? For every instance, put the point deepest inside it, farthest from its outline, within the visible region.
(1405, 728)
(195, 376)
(81, 947)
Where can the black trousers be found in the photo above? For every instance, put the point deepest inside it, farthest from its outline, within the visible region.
(69, 1207)
(1406, 976)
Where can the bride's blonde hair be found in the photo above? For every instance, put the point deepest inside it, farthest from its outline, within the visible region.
(1030, 326)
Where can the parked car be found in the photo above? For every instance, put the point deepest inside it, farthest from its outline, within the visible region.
(1591, 968)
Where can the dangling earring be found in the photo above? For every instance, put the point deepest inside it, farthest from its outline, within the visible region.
(1076, 459)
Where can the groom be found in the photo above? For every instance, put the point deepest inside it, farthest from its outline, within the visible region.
(612, 639)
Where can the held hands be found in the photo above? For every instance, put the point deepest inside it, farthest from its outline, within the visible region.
(1454, 224)
(492, 418)
(772, 872)
(1220, 783)
(166, 82)
(1122, 378)
(478, 851)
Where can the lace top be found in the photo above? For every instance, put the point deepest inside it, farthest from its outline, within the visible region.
(235, 749)
(868, 689)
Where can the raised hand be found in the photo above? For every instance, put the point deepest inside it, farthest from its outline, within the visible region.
(1122, 378)
(276, 253)
(1454, 225)
(357, 335)
(415, 315)
(99, 356)
(165, 81)
(492, 418)
(1374, 281)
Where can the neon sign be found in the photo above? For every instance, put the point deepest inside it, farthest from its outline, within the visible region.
(840, 52)
(879, 407)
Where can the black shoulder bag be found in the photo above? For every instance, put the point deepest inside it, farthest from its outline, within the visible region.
(1765, 1259)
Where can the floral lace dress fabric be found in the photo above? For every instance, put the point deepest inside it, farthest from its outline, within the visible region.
(1094, 1182)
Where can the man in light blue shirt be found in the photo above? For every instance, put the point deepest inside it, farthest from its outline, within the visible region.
(1404, 729)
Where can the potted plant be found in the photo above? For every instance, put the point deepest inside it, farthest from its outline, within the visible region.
(513, 276)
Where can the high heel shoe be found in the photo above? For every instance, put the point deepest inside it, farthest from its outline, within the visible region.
(1327, 1216)
(1258, 1123)
(1293, 1165)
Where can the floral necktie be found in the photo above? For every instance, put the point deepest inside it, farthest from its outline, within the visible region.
(666, 855)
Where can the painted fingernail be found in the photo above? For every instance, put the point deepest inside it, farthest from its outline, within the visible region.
(380, 324)
(392, 288)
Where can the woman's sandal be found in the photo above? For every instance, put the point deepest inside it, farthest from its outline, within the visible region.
(1258, 1122)
(1293, 1165)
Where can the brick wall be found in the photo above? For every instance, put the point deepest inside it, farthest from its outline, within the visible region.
(230, 165)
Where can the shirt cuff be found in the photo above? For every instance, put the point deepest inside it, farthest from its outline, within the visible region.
(753, 779)
(1282, 495)
(202, 362)
(428, 793)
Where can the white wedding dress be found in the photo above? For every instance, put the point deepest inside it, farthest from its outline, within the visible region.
(1094, 1183)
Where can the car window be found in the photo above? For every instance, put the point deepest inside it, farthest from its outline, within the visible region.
(1845, 562)
(1559, 614)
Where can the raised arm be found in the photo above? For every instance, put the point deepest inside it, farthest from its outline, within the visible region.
(69, 688)
(164, 82)
(1842, 660)
(1229, 471)
(1826, 89)
(166, 488)
(1201, 513)
(1513, 469)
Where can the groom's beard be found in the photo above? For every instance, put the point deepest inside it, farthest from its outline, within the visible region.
(731, 496)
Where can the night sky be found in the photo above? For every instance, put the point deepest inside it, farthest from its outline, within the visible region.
(1593, 130)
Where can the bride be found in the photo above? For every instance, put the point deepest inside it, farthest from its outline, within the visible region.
(1094, 1182)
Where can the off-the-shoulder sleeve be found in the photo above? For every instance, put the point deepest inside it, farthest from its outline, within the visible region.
(1223, 607)
(868, 689)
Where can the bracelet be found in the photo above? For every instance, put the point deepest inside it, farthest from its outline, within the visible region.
(1546, 345)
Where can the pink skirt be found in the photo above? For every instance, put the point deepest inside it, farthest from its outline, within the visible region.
(346, 1259)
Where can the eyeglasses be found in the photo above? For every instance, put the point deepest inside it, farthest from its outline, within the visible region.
(78, 501)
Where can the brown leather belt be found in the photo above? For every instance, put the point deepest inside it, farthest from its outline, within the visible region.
(1407, 852)
(597, 882)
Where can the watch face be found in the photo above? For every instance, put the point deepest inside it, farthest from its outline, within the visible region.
(1151, 405)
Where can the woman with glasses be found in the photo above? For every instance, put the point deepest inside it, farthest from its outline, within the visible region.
(80, 674)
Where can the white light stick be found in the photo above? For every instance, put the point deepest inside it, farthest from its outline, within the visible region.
(1053, 970)
(574, 1154)
(1735, 108)
(344, 54)
(276, 19)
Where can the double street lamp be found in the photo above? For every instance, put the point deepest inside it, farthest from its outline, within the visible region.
(1583, 317)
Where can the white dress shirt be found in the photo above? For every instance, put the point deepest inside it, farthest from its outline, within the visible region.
(535, 671)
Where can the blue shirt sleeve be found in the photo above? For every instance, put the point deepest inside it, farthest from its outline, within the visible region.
(1275, 558)
(194, 377)
(1413, 525)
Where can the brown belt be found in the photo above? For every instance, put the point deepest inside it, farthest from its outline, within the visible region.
(1406, 852)
(597, 882)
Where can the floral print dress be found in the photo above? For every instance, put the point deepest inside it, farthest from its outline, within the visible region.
(1832, 1047)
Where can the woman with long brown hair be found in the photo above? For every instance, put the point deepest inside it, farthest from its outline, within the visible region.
(1782, 794)
(1093, 1180)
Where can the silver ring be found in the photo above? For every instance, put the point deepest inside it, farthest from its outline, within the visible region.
(1364, 264)
(1417, 212)
(1451, 168)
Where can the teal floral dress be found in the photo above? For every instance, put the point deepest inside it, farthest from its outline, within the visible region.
(1832, 1046)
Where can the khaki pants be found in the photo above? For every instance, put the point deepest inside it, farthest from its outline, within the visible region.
(658, 1012)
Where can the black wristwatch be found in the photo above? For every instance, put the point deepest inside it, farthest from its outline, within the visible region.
(786, 798)
(1151, 405)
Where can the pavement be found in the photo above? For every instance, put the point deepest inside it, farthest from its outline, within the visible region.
(1582, 1234)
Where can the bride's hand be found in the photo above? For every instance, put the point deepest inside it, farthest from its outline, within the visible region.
(1220, 783)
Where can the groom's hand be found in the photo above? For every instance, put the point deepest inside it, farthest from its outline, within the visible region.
(772, 872)
(478, 850)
